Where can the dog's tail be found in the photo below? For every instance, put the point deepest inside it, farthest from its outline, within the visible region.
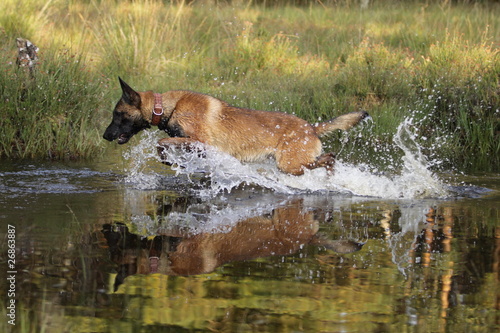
(343, 122)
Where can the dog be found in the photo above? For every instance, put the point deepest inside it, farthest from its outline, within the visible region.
(249, 135)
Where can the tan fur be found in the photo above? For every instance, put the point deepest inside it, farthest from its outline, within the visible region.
(248, 135)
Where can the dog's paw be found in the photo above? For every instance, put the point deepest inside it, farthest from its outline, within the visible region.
(327, 161)
(161, 150)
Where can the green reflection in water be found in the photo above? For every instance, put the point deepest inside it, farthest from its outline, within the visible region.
(426, 265)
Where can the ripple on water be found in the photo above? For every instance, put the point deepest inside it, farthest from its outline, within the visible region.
(32, 179)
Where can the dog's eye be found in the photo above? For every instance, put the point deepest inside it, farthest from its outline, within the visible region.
(120, 115)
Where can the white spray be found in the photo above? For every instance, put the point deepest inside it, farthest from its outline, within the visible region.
(225, 172)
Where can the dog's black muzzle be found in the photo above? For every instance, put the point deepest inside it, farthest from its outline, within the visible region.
(124, 131)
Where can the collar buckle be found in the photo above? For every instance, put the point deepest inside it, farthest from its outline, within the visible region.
(157, 110)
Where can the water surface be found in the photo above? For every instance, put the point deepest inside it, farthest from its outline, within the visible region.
(131, 246)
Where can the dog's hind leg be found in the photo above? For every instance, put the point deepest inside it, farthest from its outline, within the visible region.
(185, 144)
(297, 167)
(326, 160)
(301, 153)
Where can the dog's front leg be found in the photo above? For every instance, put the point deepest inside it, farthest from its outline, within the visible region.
(185, 144)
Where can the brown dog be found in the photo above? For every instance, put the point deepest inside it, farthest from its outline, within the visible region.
(249, 135)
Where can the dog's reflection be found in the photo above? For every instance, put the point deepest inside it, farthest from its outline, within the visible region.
(282, 231)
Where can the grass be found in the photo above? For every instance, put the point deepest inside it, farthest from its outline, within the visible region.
(435, 61)
(53, 115)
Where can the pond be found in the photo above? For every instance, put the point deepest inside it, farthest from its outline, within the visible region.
(127, 244)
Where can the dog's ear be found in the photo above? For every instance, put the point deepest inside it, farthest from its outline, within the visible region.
(130, 96)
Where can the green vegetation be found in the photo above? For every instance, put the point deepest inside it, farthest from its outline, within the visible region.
(435, 61)
(52, 115)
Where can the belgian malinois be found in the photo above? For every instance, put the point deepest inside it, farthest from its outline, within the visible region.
(249, 135)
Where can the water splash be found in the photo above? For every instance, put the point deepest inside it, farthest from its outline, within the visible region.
(413, 180)
(144, 170)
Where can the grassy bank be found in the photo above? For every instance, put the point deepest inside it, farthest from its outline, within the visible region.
(435, 61)
(54, 114)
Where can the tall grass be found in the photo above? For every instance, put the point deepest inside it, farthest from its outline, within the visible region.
(436, 61)
(53, 114)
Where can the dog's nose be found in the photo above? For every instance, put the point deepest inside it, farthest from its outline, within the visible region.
(109, 134)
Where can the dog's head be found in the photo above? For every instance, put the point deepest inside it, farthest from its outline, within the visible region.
(127, 116)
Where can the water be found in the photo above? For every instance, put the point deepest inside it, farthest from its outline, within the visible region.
(130, 245)
(415, 180)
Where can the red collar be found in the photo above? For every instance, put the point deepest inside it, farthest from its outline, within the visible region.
(157, 110)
